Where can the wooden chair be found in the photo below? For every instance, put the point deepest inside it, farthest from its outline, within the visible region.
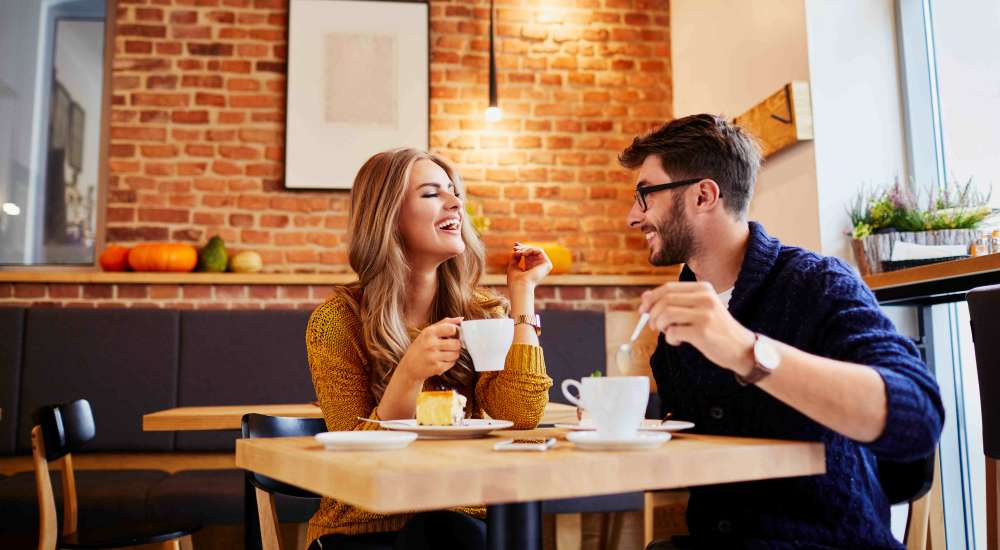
(984, 313)
(262, 425)
(59, 431)
(912, 482)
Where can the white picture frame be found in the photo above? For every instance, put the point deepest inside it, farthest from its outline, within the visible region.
(357, 84)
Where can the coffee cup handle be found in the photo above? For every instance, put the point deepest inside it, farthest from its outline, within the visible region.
(566, 384)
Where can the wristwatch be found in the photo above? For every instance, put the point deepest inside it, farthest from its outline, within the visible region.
(765, 360)
(533, 321)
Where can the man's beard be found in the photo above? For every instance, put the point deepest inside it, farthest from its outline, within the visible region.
(676, 237)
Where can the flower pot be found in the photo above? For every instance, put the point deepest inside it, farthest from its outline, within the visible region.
(871, 251)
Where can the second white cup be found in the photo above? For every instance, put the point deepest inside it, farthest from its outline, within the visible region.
(488, 341)
(617, 403)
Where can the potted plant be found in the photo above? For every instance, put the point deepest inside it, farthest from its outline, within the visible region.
(884, 216)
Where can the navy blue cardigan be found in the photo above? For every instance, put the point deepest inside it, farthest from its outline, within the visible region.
(819, 305)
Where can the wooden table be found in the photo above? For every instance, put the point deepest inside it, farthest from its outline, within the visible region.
(228, 417)
(442, 474)
(220, 417)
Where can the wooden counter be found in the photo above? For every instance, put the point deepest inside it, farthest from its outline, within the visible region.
(103, 277)
(935, 283)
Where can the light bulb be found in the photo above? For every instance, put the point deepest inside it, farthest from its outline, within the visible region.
(11, 209)
(493, 114)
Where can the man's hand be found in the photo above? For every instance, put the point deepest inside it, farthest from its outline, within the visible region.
(692, 312)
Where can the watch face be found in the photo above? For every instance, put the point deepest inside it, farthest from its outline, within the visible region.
(766, 354)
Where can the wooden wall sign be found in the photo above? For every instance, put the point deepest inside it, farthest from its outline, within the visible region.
(781, 120)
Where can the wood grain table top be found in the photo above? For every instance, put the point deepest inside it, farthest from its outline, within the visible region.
(435, 474)
(227, 417)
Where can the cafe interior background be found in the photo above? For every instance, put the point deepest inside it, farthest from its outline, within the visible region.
(132, 121)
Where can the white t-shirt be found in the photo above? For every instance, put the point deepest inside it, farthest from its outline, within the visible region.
(726, 296)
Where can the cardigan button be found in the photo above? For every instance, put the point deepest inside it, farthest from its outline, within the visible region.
(716, 413)
(725, 527)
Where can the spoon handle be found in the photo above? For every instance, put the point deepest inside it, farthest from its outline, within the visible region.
(643, 319)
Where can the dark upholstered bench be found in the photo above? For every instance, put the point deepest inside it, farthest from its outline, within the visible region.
(129, 362)
(106, 497)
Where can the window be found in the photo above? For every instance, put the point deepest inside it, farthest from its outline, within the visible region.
(52, 97)
(950, 59)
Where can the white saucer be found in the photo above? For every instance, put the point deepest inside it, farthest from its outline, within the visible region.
(365, 440)
(590, 441)
(648, 425)
(470, 428)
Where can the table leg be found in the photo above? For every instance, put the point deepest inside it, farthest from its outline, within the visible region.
(516, 525)
(251, 523)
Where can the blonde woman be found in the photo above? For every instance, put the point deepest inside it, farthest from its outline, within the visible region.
(377, 343)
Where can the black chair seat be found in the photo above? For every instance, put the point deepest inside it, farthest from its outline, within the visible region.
(215, 497)
(906, 481)
(104, 498)
(620, 502)
(132, 534)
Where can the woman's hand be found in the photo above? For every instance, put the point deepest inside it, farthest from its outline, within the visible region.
(536, 266)
(432, 352)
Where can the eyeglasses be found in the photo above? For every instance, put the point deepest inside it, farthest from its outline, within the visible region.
(641, 192)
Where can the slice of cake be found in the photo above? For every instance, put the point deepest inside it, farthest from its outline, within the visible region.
(440, 408)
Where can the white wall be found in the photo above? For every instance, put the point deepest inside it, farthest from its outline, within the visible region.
(857, 112)
(729, 55)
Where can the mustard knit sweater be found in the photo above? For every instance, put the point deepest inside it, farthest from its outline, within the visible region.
(339, 366)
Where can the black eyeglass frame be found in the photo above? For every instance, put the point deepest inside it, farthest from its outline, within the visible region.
(642, 191)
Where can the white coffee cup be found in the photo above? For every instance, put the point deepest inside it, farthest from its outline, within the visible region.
(488, 341)
(617, 404)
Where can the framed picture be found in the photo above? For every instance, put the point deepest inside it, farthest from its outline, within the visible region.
(357, 85)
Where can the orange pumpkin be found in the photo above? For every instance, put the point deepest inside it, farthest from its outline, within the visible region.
(163, 257)
(115, 258)
(562, 258)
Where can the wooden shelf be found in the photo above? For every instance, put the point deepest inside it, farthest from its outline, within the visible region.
(935, 283)
(102, 277)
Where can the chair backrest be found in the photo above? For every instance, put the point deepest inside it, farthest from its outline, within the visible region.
(984, 313)
(262, 425)
(65, 428)
(906, 481)
(574, 346)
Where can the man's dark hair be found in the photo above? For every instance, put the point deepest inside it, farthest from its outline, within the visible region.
(703, 146)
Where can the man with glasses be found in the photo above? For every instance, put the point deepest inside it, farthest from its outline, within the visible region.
(760, 339)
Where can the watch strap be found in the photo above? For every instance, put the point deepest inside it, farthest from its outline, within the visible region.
(758, 373)
(534, 321)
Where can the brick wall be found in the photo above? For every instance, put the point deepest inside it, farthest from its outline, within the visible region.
(197, 131)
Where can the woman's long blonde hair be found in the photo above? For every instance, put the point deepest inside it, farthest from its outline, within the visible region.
(375, 252)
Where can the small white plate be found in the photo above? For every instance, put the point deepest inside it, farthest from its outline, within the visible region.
(648, 425)
(470, 428)
(590, 441)
(365, 440)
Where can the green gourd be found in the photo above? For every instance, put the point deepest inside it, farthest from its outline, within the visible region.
(213, 257)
